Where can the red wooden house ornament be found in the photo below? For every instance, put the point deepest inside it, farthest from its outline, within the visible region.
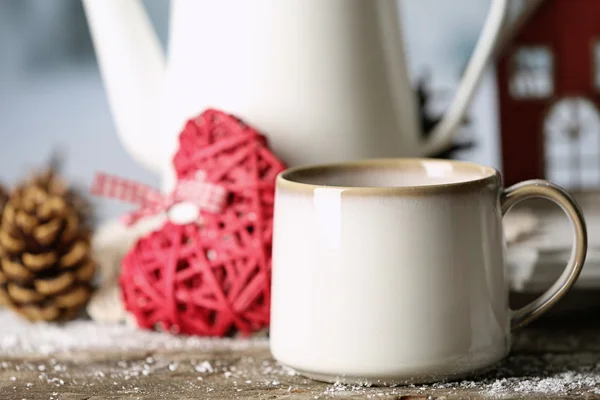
(549, 96)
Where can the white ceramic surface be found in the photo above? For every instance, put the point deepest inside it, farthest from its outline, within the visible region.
(392, 271)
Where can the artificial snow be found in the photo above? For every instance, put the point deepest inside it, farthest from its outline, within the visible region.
(20, 337)
(558, 373)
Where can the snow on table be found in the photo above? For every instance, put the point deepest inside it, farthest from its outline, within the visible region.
(85, 360)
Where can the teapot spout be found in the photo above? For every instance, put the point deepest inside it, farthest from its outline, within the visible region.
(132, 64)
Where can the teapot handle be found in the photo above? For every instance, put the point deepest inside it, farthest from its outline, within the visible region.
(549, 191)
(441, 137)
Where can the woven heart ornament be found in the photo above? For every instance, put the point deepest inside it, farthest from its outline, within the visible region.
(213, 278)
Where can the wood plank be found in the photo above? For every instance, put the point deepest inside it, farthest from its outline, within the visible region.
(554, 358)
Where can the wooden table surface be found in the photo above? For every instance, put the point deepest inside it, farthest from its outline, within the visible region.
(558, 357)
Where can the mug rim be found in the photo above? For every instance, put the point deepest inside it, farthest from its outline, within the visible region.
(489, 176)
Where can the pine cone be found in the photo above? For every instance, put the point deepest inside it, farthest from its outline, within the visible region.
(50, 181)
(45, 262)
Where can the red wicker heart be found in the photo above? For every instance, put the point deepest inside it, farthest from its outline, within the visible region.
(214, 278)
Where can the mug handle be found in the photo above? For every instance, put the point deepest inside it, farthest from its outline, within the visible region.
(547, 190)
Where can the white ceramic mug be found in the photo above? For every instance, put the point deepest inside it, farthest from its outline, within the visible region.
(391, 271)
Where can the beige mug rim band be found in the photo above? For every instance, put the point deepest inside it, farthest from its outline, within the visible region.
(290, 179)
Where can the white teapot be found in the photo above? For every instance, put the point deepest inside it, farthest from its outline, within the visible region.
(324, 80)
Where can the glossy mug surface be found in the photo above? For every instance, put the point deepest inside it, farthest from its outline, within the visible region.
(391, 271)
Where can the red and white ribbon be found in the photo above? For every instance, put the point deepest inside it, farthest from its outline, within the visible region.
(204, 195)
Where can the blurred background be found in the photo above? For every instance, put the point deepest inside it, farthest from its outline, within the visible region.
(52, 98)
